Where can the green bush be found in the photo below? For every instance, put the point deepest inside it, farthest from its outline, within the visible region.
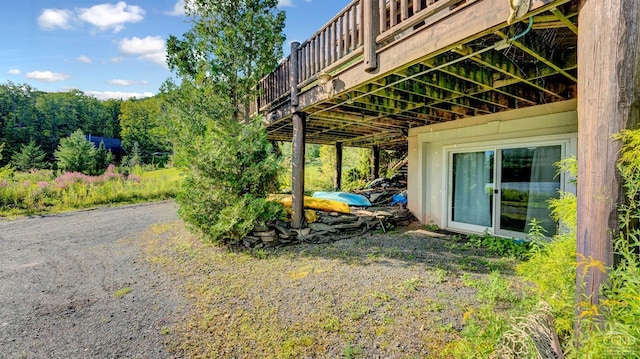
(76, 154)
(231, 169)
(31, 156)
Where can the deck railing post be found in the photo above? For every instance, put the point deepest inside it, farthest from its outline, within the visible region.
(371, 29)
(294, 74)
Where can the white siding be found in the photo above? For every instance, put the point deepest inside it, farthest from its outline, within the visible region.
(428, 146)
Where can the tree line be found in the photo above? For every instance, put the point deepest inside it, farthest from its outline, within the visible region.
(33, 120)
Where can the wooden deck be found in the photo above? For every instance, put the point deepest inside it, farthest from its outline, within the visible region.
(390, 65)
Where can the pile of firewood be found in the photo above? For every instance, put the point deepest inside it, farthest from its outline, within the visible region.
(328, 227)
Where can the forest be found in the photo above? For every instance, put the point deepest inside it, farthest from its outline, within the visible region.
(42, 119)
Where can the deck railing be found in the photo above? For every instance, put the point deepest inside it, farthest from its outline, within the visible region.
(347, 36)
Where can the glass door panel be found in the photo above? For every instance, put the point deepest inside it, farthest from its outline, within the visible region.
(472, 188)
(528, 179)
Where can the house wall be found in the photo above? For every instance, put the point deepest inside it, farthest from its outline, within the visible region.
(429, 145)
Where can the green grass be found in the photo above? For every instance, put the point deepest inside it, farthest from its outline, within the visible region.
(122, 292)
(41, 192)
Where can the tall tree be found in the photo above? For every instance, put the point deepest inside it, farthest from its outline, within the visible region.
(231, 45)
(230, 163)
(142, 123)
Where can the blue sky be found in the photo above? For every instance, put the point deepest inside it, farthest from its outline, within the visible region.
(111, 49)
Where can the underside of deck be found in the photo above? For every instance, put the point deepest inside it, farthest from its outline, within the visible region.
(446, 61)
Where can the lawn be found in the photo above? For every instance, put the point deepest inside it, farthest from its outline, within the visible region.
(391, 295)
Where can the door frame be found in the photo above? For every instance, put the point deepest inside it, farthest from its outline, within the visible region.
(564, 140)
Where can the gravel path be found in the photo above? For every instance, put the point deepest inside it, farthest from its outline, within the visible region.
(59, 275)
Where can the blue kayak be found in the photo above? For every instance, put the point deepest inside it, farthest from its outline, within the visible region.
(351, 199)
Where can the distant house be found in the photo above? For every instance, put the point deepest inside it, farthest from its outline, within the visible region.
(110, 144)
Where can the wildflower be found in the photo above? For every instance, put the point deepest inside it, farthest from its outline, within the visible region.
(69, 178)
(110, 174)
(4, 183)
(134, 178)
(43, 184)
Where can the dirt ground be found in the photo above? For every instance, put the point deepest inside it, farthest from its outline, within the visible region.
(64, 281)
(379, 295)
(131, 282)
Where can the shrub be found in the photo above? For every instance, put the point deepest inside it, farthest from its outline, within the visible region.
(31, 156)
(76, 154)
(231, 170)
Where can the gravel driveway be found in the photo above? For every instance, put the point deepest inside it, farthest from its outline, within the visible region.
(64, 281)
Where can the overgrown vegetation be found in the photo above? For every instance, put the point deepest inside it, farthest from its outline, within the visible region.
(505, 247)
(230, 164)
(608, 330)
(42, 191)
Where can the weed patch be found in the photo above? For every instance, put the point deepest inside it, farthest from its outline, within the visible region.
(122, 292)
(41, 191)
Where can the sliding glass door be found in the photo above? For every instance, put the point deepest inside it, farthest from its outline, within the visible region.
(528, 179)
(472, 189)
(503, 189)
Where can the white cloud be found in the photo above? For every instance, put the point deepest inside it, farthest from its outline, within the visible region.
(83, 58)
(117, 59)
(150, 48)
(106, 95)
(285, 3)
(178, 9)
(53, 18)
(109, 16)
(46, 76)
(121, 82)
(15, 72)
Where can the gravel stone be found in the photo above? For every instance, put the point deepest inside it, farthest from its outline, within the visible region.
(59, 275)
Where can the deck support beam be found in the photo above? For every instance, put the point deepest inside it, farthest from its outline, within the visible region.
(297, 190)
(297, 145)
(337, 178)
(609, 62)
(375, 162)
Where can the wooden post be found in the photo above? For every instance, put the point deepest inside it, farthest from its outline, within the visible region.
(375, 162)
(609, 80)
(298, 143)
(337, 178)
(371, 23)
(297, 207)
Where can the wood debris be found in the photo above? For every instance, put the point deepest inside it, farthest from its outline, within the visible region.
(329, 227)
